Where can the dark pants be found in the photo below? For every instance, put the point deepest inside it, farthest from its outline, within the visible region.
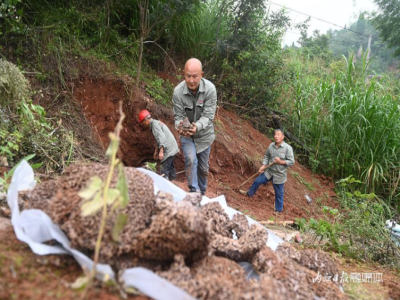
(168, 169)
(262, 179)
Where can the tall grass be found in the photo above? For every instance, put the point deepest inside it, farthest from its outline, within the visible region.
(352, 125)
(199, 32)
(83, 28)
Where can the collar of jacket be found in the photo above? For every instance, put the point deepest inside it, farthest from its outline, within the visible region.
(281, 145)
(201, 88)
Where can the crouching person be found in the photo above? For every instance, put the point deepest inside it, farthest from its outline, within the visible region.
(166, 145)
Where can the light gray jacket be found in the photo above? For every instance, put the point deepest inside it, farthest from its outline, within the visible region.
(278, 172)
(200, 109)
(164, 138)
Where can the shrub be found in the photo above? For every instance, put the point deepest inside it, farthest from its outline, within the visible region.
(25, 129)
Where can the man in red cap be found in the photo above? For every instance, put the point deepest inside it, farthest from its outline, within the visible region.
(166, 145)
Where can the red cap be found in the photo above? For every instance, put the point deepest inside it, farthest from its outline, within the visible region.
(143, 115)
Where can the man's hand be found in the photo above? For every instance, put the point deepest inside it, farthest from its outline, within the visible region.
(279, 161)
(155, 155)
(192, 130)
(184, 130)
(161, 155)
(180, 128)
(262, 168)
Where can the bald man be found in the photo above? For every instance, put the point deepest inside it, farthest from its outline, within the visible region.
(196, 99)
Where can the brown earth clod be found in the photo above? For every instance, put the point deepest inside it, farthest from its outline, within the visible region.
(60, 200)
(300, 282)
(198, 241)
(242, 249)
(312, 259)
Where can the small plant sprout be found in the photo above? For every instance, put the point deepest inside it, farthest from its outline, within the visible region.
(151, 166)
(98, 195)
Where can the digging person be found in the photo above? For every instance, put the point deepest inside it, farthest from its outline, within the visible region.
(166, 145)
(195, 98)
(278, 157)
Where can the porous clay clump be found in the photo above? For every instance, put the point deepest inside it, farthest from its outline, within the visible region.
(60, 200)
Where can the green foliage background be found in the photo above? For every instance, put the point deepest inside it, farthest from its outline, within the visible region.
(25, 129)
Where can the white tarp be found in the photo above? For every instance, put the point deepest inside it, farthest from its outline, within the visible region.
(35, 228)
(394, 230)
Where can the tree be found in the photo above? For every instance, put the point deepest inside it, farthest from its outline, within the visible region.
(316, 45)
(388, 22)
(252, 69)
(344, 41)
(156, 14)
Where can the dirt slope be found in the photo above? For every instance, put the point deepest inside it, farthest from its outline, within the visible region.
(236, 153)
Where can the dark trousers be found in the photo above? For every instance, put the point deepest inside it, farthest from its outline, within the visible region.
(262, 179)
(168, 168)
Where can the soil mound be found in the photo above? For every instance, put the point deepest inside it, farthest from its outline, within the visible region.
(299, 282)
(195, 248)
(60, 200)
(220, 279)
(176, 228)
(315, 260)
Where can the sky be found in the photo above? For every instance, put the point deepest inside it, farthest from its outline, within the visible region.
(340, 12)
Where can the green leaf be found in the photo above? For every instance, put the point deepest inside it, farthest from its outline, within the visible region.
(92, 188)
(334, 211)
(112, 195)
(80, 283)
(114, 144)
(37, 166)
(29, 157)
(370, 196)
(151, 166)
(109, 150)
(122, 185)
(119, 225)
(91, 207)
